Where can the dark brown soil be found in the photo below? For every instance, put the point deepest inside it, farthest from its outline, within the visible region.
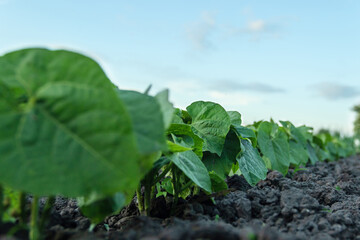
(322, 202)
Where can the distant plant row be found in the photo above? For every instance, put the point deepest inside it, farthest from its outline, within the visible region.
(65, 129)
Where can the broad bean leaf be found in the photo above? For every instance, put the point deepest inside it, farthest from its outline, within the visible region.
(166, 107)
(295, 133)
(246, 132)
(274, 146)
(182, 130)
(63, 130)
(175, 147)
(312, 153)
(298, 154)
(235, 118)
(217, 183)
(251, 165)
(148, 125)
(211, 122)
(222, 164)
(191, 165)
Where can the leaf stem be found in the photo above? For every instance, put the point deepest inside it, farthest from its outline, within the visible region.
(140, 199)
(166, 170)
(186, 186)
(34, 227)
(148, 192)
(2, 208)
(46, 212)
(176, 193)
(22, 197)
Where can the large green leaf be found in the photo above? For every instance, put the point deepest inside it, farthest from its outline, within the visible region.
(251, 165)
(147, 120)
(223, 164)
(211, 122)
(274, 146)
(191, 165)
(63, 130)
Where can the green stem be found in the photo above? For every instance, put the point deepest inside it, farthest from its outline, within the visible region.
(22, 197)
(186, 186)
(147, 194)
(2, 208)
(34, 227)
(166, 170)
(176, 192)
(140, 199)
(46, 212)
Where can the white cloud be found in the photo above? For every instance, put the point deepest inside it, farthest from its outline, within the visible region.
(256, 26)
(231, 86)
(335, 91)
(199, 32)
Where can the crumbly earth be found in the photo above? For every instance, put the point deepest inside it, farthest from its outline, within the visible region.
(322, 202)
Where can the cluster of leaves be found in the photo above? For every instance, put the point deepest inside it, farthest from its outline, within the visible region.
(67, 130)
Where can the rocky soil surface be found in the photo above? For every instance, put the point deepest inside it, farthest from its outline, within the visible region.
(321, 202)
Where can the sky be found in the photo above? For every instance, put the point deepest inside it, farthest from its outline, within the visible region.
(287, 60)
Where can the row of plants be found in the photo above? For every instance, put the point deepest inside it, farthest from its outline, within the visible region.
(66, 130)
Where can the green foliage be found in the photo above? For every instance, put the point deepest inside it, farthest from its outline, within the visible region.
(190, 164)
(210, 122)
(66, 129)
(62, 126)
(251, 164)
(274, 146)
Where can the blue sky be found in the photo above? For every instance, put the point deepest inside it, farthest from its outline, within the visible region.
(289, 60)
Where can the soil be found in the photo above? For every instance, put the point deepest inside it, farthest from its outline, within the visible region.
(322, 202)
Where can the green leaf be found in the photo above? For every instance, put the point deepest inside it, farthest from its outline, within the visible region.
(147, 120)
(166, 107)
(246, 132)
(173, 147)
(312, 153)
(251, 165)
(217, 183)
(273, 144)
(97, 208)
(298, 154)
(222, 165)
(235, 118)
(190, 164)
(306, 132)
(12, 200)
(64, 130)
(210, 122)
(295, 133)
(182, 130)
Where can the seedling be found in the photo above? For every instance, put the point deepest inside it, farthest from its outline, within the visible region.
(65, 129)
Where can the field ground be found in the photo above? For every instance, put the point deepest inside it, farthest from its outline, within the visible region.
(322, 202)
